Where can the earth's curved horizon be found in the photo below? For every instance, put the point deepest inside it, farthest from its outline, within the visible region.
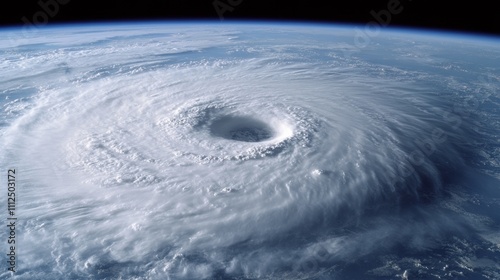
(250, 150)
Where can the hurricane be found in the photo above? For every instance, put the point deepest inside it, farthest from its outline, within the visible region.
(251, 151)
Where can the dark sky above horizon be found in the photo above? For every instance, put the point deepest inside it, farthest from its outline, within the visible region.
(478, 17)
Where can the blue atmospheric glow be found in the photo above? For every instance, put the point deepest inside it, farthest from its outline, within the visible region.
(251, 150)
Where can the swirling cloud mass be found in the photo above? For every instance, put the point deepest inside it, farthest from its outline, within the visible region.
(199, 151)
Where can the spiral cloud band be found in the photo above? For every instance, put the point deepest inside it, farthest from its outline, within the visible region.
(168, 151)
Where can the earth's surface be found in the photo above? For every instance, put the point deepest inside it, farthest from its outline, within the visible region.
(251, 151)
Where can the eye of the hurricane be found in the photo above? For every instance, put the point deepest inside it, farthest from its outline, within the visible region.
(238, 128)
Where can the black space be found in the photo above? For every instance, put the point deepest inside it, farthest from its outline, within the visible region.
(477, 17)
